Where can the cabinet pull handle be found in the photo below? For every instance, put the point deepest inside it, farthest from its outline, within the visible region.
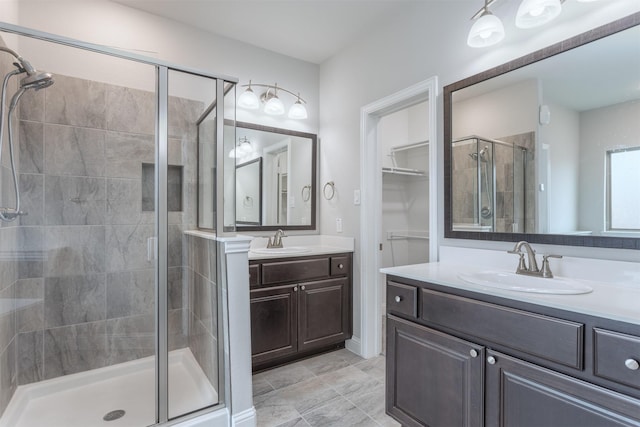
(295, 289)
(398, 298)
(473, 352)
(340, 266)
(632, 364)
(491, 360)
(302, 287)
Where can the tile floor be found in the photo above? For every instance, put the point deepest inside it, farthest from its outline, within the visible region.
(337, 389)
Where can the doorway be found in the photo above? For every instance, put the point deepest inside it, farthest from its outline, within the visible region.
(371, 232)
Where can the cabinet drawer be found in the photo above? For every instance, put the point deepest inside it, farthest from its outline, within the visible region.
(556, 340)
(254, 274)
(613, 351)
(289, 271)
(340, 265)
(402, 299)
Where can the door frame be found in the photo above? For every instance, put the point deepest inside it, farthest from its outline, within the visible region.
(370, 211)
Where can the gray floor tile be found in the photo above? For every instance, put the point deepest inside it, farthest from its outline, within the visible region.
(287, 375)
(261, 386)
(374, 367)
(340, 413)
(333, 389)
(298, 422)
(350, 381)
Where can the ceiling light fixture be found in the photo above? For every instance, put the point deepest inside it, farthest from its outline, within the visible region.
(487, 30)
(534, 13)
(273, 105)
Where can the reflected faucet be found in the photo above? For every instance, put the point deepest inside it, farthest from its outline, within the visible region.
(276, 240)
(530, 268)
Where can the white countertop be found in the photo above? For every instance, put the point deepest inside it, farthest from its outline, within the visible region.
(316, 245)
(616, 301)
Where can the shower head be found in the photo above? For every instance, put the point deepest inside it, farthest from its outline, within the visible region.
(482, 153)
(37, 80)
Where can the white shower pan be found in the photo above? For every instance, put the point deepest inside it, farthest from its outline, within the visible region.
(83, 399)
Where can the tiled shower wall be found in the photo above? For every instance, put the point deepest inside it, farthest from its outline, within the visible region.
(9, 238)
(201, 273)
(83, 266)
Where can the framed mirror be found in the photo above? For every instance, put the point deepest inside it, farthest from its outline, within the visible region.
(276, 178)
(546, 148)
(249, 192)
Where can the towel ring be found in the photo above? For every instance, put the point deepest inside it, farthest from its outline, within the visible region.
(306, 196)
(331, 186)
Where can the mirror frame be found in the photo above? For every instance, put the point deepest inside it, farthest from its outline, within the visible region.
(552, 239)
(314, 178)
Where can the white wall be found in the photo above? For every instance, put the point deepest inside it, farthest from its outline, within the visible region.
(622, 129)
(114, 25)
(428, 39)
(562, 136)
(492, 115)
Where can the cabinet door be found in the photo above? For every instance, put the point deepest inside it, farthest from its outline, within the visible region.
(273, 323)
(520, 394)
(433, 379)
(324, 313)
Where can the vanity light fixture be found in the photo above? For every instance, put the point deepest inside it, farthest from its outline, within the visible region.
(273, 105)
(487, 30)
(242, 149)
(534, 13)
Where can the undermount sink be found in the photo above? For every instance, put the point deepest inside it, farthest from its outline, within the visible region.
(522, 283)
(281, 251)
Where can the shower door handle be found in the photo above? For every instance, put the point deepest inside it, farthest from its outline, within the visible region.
(152, 254)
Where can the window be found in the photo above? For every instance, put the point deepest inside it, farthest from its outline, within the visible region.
(623, 189)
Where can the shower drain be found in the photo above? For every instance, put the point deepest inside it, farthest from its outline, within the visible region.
(114, 415)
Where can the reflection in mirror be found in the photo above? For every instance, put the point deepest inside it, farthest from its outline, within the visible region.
(541, 145)
(249, 192)
(286, 182)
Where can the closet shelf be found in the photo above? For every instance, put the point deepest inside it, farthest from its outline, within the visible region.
(407, 235)
(403, 171)
(409, 146)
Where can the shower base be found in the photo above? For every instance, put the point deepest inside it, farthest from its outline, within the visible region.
(83, 399)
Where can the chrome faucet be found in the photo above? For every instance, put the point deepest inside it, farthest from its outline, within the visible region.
(276, 240)
(530, 268)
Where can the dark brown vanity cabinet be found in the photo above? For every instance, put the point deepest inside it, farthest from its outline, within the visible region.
(457, 358)
(299, 306)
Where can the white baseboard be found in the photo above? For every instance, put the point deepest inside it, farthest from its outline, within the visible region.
(354, 345)
(246, 418)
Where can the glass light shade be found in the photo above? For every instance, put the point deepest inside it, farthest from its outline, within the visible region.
(233, 153)
(486, 31)
(249, 100)
(587, 1)
(274, 106)
(298, 111)
(533, 13)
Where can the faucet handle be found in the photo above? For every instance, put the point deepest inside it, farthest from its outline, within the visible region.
(546, 269)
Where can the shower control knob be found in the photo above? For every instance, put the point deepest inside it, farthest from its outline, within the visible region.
(632, 364)
(491, 360)
(398, 298)
(473, 352)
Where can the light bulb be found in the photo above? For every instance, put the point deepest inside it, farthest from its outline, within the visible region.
(249, 100)
(298, 111)
(533, 13)
(486, 31)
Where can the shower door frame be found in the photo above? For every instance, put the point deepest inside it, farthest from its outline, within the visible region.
(161, 211)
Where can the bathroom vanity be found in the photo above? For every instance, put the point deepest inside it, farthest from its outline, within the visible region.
(463, 355)
(300, 304)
